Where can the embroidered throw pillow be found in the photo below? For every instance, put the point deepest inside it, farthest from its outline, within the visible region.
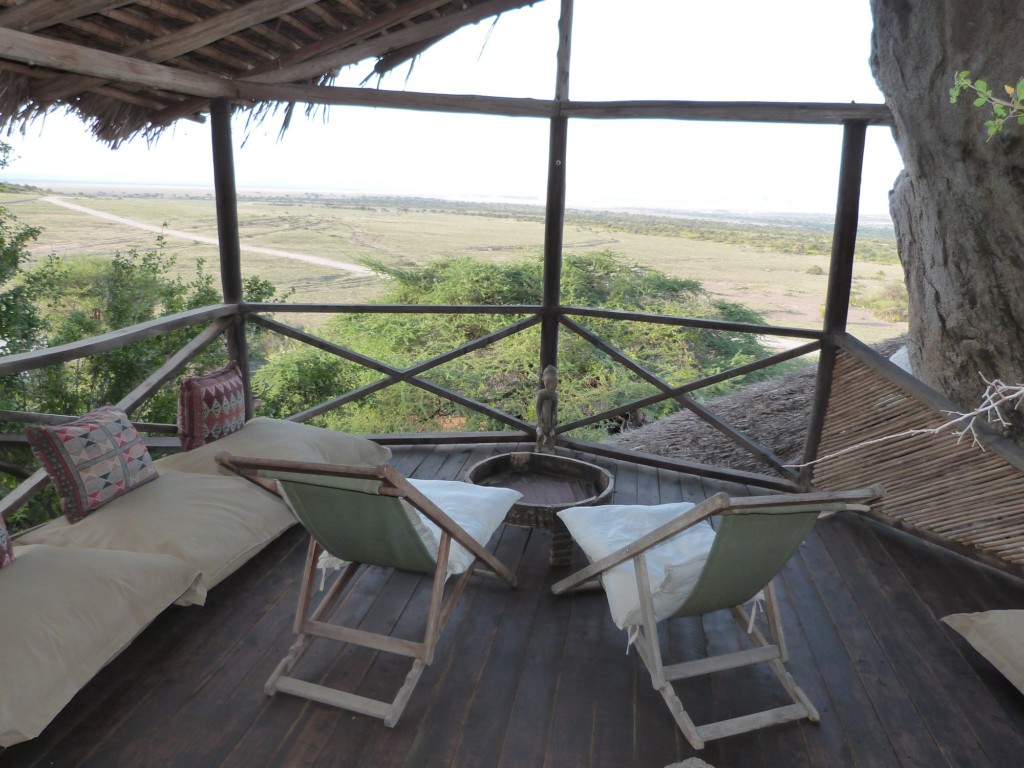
(6, 550)
(210, 406)
(92, 460)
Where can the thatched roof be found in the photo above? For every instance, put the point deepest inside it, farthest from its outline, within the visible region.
(133, 68)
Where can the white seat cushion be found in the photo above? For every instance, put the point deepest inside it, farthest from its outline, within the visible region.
(478, 509)
(66, 613)
(212, 523)
(672, 566)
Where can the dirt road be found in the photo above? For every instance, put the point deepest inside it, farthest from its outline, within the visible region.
(353, 268)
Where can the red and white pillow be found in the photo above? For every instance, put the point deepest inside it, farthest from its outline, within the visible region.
(210, 406)
(92, 460)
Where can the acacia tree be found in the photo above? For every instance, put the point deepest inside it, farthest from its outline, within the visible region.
(956, 206)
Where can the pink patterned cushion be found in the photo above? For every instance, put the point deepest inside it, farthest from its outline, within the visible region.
(92, 460)
(210, 406)
(6, 550)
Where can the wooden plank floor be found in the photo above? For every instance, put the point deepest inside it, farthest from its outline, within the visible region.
(523, 678)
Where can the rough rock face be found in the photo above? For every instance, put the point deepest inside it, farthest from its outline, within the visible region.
(958, 207)
(776, 413)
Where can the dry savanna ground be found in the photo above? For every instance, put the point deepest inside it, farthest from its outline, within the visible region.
(788, 289)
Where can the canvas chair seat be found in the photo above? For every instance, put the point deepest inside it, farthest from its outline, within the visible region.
(372, 516)
(662, 562)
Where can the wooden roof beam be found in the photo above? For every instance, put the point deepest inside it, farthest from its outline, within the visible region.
(179, 43)
(733, 111)
(34, 15)
(378, 25)
(314, 67)
(372, 97)
(42, 51)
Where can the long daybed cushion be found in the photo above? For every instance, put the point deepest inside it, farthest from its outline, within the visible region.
(212, 523)
(672, 566)
(267, 438)
(66, 613)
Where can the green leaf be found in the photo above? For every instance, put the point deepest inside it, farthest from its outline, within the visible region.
(999, 110)
(1020, 89)
(981, 101)
(981, 86)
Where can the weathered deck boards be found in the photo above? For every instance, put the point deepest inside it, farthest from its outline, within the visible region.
(523, 678)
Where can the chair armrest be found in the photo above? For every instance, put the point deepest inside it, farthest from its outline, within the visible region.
(226, 460)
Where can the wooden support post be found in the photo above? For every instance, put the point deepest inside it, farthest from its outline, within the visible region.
(554, 221)
(844, 235)
(228, 236)
(554, 217)
(840, 281)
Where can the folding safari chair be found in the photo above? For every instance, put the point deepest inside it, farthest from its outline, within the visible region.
(374, 516)
(682, 566)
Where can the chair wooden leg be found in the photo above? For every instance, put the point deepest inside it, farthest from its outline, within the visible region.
(312, 624)
(404, 693)
(648, 645)
(767, 651)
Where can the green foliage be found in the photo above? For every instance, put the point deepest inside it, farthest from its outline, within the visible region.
(20, 324)
(65, 301)
(298, 377)
(91, 296)
(890, 304)
(504, 375)
(1003, 110)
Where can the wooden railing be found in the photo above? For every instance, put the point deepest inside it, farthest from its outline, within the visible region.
(945, 490)
(218, 320)
(533, 316)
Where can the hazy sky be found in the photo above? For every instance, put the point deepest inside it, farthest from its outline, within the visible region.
(732, 50)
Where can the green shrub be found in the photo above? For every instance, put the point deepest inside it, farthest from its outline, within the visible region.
(505, 375)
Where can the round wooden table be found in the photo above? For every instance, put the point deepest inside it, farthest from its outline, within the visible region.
(549, 483)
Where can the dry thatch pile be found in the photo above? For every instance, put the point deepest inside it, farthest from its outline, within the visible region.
(774, 412)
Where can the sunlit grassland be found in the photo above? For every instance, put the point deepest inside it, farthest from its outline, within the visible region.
(788, 289)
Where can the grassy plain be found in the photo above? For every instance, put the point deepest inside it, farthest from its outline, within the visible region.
(787, 288)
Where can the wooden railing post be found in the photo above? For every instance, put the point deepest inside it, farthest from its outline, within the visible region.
(840, 281)
(228, 236)
(554, 217)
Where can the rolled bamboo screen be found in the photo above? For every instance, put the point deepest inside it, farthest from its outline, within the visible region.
(950, 491)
